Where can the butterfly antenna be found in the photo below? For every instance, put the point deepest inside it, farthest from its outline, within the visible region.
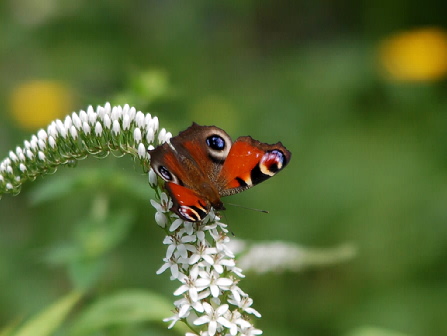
(244, 207)
(226, 220)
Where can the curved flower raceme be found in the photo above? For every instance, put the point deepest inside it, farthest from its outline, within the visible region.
(97, 132)
(198, 257)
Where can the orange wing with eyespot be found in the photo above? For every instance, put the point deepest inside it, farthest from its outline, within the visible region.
(249, 163)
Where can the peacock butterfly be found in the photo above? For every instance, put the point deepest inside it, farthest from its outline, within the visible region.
(202, 164)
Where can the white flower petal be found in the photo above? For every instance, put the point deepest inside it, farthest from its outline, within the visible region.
(86, 127)
(115, 114)
(13, 156)
(91, 115)
(224, 282)
(194, 259)
(68, 122)
(107, 121)
(243, 323)
(83, 116)
(155, 123)
(202, 320)
(174, 271)
(101, 112)
(202, 282)
(198, 306)
(156, 205)
(141, 151)
(163, 268)
(150, 135)
(153, 179)
(212, 327)
(161, 219)
(184, 311)
(139, 119)
(222, 309)
(253, 311)
(98, 128)
(208, 259)
(107, 108)
(126, 122)
(162, 136)
(132, 112)
(193, 294)
(223, 321)
(218, 268)
(41, 144)
(182, 289)
(175, 225)
(43, 135)
(182, 251)
(214, 290)
(188, 239)
(208, 308)
(116, 127)
(170, 251)
(137, 134)
(77, 122)
(51, 141)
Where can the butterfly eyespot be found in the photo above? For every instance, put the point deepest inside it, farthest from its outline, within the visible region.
(164, 173)
(272, 162)
(215, 142)
(218, 146)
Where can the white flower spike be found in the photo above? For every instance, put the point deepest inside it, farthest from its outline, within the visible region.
(60, 143)
(198, 256)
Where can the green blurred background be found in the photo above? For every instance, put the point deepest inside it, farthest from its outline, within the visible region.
(356, 91)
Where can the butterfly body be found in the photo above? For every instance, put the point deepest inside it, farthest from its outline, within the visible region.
(202, 164)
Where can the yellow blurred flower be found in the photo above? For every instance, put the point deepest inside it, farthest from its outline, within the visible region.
(36, 103)
(418, 55)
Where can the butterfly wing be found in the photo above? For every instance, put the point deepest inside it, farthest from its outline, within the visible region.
(206, 146)
(179, 173)
(189, 164)
(187, 203)
(249, 163)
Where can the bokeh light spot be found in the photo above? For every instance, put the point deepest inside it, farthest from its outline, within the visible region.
(418, 55)
(36, 103)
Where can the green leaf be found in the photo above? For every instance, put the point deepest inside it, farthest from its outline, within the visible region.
(60, 186)
(92, 179)
(99, 236)
(113, 231)
(93, 238)
(84, 273)
(62, 254)
(46, 322)
(125, 308)
(54, 188)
